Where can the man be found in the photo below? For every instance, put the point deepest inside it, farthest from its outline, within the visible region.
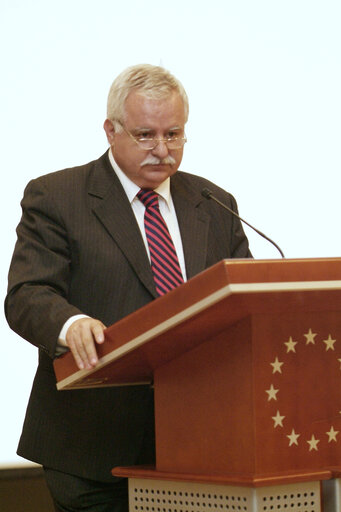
(83, 260)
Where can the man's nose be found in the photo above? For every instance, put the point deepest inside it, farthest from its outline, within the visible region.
(161, 149)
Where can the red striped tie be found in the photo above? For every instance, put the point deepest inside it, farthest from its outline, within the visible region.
(163, 257)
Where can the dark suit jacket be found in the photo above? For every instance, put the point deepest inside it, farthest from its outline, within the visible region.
(79, 250)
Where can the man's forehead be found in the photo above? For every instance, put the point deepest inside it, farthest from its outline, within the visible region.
(139, 105)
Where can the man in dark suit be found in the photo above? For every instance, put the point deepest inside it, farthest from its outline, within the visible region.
(83, 261)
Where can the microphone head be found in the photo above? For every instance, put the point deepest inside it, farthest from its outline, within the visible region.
(206, 193)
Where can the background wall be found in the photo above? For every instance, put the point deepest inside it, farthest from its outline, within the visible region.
(264, 82)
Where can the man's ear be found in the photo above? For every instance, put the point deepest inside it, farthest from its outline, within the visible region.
(109, 130)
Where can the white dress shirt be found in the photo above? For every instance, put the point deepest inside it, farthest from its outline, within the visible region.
(166, 208)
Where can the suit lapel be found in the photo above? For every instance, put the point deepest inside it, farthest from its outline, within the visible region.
(193, 224)
(112, 208)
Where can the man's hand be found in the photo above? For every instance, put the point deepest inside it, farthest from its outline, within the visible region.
(81, 338)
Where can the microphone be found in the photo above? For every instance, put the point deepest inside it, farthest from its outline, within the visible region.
(209, 195)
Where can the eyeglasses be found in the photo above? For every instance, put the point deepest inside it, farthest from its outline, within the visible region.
(150, 143)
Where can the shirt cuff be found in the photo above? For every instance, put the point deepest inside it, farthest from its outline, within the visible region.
(61, 343)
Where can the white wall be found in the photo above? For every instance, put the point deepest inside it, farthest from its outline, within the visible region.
(264, 82)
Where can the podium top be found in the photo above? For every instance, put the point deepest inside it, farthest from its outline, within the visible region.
(228, 291)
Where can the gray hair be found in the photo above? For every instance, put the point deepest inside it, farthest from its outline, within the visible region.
(151, 81)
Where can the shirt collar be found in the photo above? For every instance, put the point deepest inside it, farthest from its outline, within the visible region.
(131, 189)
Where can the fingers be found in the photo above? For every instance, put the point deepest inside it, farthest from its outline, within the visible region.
(81, 338)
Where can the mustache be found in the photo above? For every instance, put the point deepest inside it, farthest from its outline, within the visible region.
(154, 160)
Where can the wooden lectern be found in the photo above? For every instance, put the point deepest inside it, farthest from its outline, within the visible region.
(245, 359)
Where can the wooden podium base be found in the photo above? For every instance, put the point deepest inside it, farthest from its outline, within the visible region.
(165, 496)
(156, 491)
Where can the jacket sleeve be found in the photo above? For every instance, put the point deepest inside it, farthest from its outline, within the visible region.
(36, 305)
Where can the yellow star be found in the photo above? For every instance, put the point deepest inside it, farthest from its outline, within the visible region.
(276, 366)
(329, 343)
(290, 345)
(293, 438)
(272, 392)
(278, 419)
(313, 443)
(332, 434)
(310, 337)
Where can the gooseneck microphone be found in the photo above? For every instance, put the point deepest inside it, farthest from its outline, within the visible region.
(209, 195)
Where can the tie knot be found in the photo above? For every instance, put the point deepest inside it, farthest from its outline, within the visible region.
(149, 198)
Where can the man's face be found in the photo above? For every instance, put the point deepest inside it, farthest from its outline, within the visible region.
(148, 118)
